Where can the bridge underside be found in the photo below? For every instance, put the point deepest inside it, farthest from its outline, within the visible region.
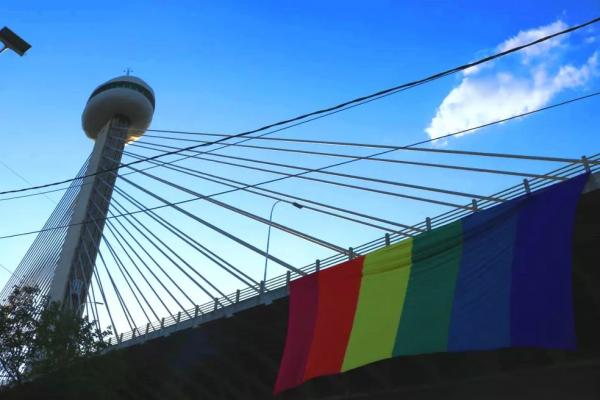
(238, 358)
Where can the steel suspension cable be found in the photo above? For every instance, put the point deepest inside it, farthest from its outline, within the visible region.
(90, 285)
(228, 182)
(90, 310)
(118, 261)
(217, 229)
(94, 305)
(371, 145)
(336, 164)
(112, 323)
(509, 193)
(124, 307)
(358, 177)
(246, 213)
(140, 143)
(41, 243)
(301, 175)
(114, 232)
(200, 286)
(30, 266)
(127, 277)
(157, 264)
(226, 266)
(243, 277)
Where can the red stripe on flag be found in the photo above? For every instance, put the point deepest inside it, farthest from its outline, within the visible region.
(301, 323)
(338, 295)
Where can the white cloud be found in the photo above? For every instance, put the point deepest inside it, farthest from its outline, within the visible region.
(524, 37)
(505, 92)
(568, 76)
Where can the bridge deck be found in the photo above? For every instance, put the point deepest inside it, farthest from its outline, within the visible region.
(238, 357)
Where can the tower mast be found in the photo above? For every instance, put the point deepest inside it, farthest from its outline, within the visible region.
(117, 112)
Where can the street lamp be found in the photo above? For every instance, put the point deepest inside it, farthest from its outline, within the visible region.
(298, 206)
(13, 42)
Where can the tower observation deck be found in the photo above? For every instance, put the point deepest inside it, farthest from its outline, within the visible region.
(116, 113)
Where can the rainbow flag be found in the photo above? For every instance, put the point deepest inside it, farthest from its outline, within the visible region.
(498, 278)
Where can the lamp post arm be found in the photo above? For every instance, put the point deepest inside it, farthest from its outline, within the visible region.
(269, 242)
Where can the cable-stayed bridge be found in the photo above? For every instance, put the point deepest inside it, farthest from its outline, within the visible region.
(165, 230)
(111, 251)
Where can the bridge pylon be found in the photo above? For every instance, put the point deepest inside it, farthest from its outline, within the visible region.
(117, 112)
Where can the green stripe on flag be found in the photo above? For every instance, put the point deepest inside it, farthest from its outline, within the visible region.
(428, 305)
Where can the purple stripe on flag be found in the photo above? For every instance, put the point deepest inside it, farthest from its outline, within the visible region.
(541, 292)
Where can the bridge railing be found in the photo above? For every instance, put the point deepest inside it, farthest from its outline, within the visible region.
(591, 164)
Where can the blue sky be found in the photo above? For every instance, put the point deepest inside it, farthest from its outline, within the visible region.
(230, 66)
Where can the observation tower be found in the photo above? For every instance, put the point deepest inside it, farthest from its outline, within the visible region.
(117, 112)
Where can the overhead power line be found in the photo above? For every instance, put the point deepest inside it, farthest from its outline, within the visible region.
(205, 251)
(336, 183)
(313, 170)
(246, 214)
(333, 109)
(21, 177)
(6, 269)
(269, 194)
(391, 147)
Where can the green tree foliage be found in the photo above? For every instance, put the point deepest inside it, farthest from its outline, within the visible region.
(18, 325)
(62, 337)
(35, 340)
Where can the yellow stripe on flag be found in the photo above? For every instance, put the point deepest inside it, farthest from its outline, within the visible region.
(380, 302)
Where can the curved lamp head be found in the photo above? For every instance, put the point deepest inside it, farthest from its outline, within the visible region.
(12, 41)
